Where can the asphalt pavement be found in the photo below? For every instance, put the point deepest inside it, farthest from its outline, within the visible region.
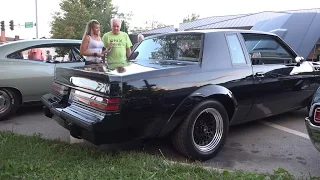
(261, 146)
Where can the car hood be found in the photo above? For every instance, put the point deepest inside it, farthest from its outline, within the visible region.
(301, 37)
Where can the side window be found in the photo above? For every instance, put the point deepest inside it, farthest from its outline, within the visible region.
(183, 47)
(62, 54)
(36, 54)
(236, 51)
(264, 49)
(76, 52)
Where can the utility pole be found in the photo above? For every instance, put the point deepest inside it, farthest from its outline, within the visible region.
(152, 21)
(3, 32)
(37, 24)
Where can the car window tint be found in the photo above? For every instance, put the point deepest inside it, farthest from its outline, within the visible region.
(184, 47)
(235, 49)
(61, 54)
(264, 49)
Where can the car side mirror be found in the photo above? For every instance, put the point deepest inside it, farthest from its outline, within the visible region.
(299, 59)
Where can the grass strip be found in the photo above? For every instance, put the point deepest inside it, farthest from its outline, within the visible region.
(31, 157)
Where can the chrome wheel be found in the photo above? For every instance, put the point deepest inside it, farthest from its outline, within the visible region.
(207, 130)
(5, 101)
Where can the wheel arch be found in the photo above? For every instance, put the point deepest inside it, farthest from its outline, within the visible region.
(16, 91)
(215, 92)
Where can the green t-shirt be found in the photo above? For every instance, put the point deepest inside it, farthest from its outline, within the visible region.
(120, 42)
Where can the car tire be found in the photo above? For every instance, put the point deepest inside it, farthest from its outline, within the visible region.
(8, 103)
(209, 116)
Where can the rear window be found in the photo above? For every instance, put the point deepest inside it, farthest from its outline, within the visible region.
(182, 47)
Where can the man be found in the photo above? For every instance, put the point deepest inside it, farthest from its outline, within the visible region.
(118, 45)
(49, 56)
(35, 54)
(140, 38)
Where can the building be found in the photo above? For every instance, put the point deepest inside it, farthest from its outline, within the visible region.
(10, 39)
(240, 21)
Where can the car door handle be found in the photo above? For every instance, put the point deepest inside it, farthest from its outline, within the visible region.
(259, 74)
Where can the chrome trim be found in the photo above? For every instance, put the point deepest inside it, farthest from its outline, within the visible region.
(5, 101)
(314, 133)
(312, 108)
(216, 135)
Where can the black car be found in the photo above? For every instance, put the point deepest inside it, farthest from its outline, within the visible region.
(312, 121)
(188, 85)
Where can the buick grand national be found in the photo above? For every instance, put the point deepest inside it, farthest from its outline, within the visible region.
(190, 86)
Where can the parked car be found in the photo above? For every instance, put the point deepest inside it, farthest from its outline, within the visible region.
(27, 70)
(312, 121)
(188, 85)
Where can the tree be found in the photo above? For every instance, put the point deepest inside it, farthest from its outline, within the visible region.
(124, 27)
(125, 18)
(191, 17)
(71, 22)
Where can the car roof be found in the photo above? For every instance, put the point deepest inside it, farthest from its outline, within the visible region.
(206, 31)
(14, 46)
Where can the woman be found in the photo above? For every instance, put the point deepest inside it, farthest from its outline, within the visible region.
(92, 46)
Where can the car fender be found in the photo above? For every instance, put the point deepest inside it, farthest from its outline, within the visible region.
(210, 91)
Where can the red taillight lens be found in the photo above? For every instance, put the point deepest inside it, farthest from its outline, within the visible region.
(60, 89)
(317, 115)
(105, 104)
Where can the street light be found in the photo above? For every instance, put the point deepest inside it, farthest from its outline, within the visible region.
(36, 2)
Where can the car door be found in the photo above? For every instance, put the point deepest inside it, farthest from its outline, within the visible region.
(63, 55)
(59, 55)
(30, 77)
(280, 83)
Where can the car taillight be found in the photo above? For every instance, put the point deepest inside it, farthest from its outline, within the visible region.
(60, 89)
(102, 103)
(317, 115)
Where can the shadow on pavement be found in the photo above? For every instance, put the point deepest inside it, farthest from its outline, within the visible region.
(29, 110)
(163, 147)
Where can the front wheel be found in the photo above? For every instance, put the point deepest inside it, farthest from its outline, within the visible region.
(203, 133)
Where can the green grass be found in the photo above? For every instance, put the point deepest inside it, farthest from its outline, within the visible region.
(30, 157)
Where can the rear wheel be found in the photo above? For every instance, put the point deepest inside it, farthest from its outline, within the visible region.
(8, 103)
(203, 132)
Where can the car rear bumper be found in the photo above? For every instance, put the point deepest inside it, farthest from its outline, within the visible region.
(83, 124)
(313, 132)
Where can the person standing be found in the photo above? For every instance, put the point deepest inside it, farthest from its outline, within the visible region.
(92, 45)
(49, 56)
(117, 44)
(140, 38)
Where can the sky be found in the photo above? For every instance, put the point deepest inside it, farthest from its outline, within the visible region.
(169, 12)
